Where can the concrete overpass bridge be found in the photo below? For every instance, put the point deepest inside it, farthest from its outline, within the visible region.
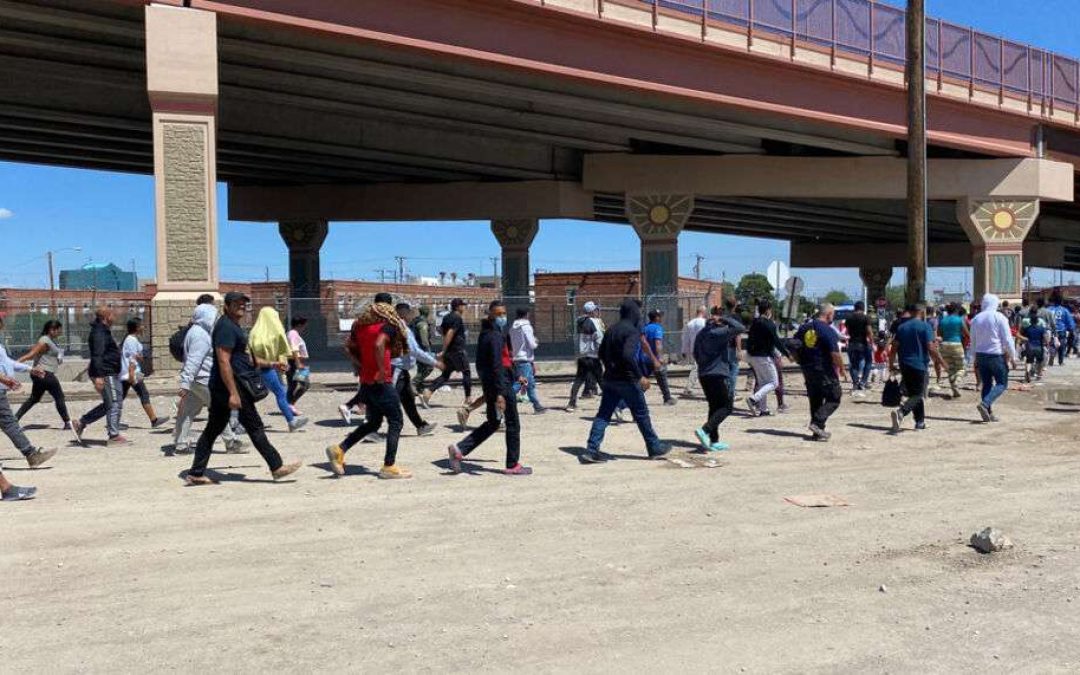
(770, 118)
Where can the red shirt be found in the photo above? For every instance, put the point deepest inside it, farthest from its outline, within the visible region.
(506, 360)
(364, 338)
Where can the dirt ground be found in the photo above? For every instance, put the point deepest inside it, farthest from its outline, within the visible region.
(633, 566)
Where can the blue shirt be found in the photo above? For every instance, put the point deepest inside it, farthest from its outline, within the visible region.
(819, 342)
(1063, 320)
(653, 332)
(913, 339)
(952, 328)
(1036, 335)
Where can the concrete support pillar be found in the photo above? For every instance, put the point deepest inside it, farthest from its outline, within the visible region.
(876, 280)
(997, 229)
(305, 240)
(658, 220)
(515, 237)
(182, 83)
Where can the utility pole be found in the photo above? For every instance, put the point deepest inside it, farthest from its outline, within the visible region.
(52, 286)
(916, 147)
(267, 269)
(401, 268)
(495, 271)
(698, 258)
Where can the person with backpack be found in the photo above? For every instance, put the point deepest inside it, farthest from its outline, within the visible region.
(622, 352)
(421, 330)
(194, 394)
(590, 331)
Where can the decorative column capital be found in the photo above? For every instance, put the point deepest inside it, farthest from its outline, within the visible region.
(516, 234)
(303, 236)
(659, 217)
(997, 223)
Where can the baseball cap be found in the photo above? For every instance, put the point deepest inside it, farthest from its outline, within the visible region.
(233, 297)
(590, 307)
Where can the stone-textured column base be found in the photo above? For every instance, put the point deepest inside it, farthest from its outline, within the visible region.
(305, 240)
(876, 280)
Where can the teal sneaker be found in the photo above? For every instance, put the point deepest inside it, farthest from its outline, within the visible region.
(703, 438)
(719, 446)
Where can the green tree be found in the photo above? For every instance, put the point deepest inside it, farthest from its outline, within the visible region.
(835, 297)
(753, 287)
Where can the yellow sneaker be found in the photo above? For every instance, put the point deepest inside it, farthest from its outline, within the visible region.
(394, 471)
(336, 456)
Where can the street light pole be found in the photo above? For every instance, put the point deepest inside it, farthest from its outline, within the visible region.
(52, 286)
(916, 147)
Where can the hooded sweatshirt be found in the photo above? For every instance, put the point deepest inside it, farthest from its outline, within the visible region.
(267, 339)
(619, 349)
(990, 332)
(713, 347)
(198, 348)
(523, 342)
(104, 352)
(494, 376)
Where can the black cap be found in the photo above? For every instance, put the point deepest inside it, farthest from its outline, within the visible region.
(233, 297)
(384, 298)
(456, 302)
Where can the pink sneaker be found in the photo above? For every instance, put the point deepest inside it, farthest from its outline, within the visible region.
(455, 459)
(518, 470)
(117, 441)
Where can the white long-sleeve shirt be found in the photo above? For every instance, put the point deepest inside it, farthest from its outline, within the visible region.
(9, 366)
(690, 333)
(990, 334)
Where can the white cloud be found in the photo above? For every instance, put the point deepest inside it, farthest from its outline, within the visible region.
(5, 214)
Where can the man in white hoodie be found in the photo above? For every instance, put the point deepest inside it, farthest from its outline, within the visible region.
(523, 344)
(689, 335)
(995, 354)
(195, 381)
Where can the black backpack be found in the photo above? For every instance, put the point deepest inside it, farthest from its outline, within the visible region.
(176, 343)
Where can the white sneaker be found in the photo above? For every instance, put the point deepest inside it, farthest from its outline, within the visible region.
(345, 413)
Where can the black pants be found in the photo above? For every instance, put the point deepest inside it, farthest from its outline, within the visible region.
(380, 402)
(140, 390)
(219, 419)
(718, 394)
(588, 368)
(408, 398)
(47, 383)
(455, 363)
(824, 393)
(914, 382)
(661, 381)
(491, 424)
(294, 388)
(356, 400)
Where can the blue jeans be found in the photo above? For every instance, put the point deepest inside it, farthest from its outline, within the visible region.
(273, 383)
(859, 363)
(528, 371)
(733, 380)
(614, 391)
(994, 376)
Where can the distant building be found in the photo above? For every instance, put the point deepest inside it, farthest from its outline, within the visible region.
(98, 276)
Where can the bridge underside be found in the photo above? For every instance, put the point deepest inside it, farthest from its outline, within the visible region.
(387, 108)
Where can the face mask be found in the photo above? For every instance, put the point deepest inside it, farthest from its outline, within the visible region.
(500, 322)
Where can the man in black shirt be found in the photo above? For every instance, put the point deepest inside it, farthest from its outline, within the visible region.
(453, 355)
(232, 366)
(860, 352)
(762, 343)
(104, 372)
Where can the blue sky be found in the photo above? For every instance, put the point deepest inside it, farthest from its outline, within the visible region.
(110, 216)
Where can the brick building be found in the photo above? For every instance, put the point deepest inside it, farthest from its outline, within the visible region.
(560, 296)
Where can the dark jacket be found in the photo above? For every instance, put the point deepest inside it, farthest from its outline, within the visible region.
(104, 352)
(494, 376)
(713, 347)
(619, 349)
(763, 338)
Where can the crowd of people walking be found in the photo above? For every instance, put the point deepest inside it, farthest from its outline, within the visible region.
(228, 371)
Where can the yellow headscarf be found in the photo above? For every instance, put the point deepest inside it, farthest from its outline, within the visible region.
(267, 340)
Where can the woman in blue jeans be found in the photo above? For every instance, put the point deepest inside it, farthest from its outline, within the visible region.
(271, 350)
